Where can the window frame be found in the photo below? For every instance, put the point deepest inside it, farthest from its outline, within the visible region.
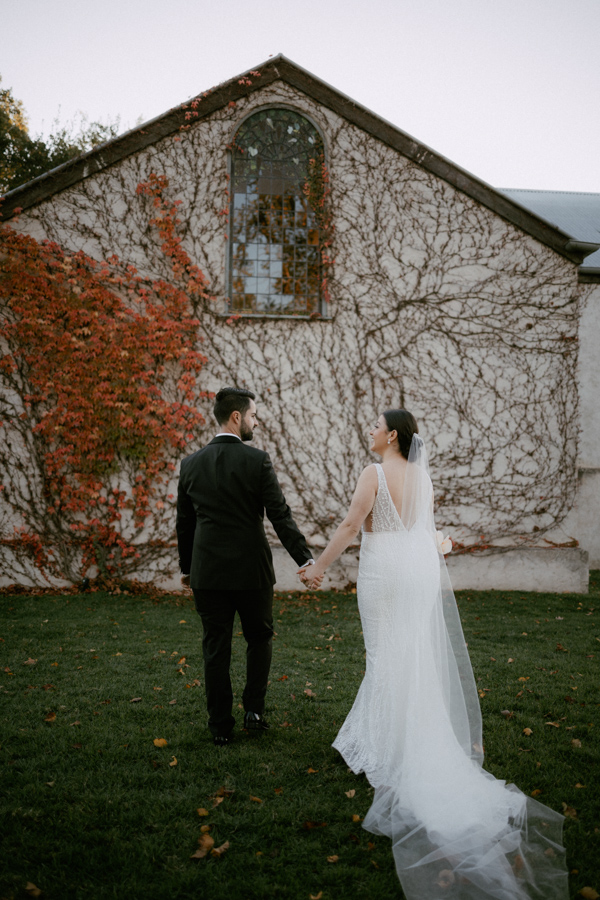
(323, 313)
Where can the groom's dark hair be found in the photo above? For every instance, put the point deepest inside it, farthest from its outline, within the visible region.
(230, 399)
(405, 424)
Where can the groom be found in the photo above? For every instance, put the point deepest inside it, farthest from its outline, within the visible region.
(224, 491)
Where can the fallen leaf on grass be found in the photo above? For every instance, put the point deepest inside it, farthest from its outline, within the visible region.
(74, 723)
(217, 800)
(206, 843)
(580, 785)
(202, 811)
(536, 793)
(373, 863)
(118, 654)
(350, 794)
(256, 799)
(507, 714)
(47, 687)
(77, 746)
(32, 890)
(279, 790)
(50, 783)
(173, 761)
(527, 731)
(589, 893)
(356, 818)
(575, 742)
(560, 647)
(182, 622)
(30, 662)
(159, 742)
(172, 702)
(554, 724)
(219, 851)
(135, 699)
(181, 661)
(312, 771)
(569, 811)
(316, 896)
(157, 689)
(308, 826)
(510, 659)
(204, 829)
(332, 859)
(309, 693)
(50, 717)
(283, 678)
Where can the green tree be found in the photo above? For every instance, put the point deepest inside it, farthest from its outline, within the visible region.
(23, 157)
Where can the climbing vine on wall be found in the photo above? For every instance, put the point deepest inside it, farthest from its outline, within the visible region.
(435, 303)
(99, 372)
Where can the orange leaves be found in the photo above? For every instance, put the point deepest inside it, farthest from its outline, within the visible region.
(32, 890)
(569, 811)
(255, 799)
(560, 647)
(589, 893)
(527, 731)
(88, 343)
(536, 793)
(332, 859)
(316, 896)
(206, 843)
(159, 742)
(202, 811)
(308, 826)
(311, 771)
(51, 717)
(350, 794)
(173, 761)
(30, 662)
(217, 852)
(576, 743)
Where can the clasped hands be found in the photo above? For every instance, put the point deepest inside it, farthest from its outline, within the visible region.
(312, 581)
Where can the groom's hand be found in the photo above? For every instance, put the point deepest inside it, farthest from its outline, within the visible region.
(307, 579)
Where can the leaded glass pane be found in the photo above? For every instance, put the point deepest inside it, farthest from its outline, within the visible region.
(275, 262)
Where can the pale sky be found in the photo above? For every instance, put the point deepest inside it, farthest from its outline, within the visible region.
(507, 89)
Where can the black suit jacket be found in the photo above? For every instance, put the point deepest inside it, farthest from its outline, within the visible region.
(224, 491)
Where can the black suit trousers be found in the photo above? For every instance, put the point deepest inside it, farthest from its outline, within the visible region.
(217, 610)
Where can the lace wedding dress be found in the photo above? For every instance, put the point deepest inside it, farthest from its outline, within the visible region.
(415, 726)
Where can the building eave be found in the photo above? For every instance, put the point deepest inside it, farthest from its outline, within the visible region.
(280, 68)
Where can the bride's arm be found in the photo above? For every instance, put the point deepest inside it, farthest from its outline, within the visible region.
(360, 507)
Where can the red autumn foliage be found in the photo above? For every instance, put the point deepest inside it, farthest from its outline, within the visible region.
(99, 376)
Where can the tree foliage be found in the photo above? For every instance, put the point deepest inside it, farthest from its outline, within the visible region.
(23, 157)
(99, 391)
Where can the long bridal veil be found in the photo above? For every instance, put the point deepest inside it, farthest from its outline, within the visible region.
(457, 831)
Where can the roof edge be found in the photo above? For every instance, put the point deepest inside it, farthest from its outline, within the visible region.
(279, 68)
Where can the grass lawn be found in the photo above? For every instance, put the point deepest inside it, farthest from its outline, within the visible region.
(91, 808)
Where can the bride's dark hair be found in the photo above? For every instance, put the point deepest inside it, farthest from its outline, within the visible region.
(405, 424)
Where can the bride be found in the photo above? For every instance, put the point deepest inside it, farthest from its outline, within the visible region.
(415, 726)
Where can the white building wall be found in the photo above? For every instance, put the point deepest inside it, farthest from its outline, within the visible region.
(439, 305)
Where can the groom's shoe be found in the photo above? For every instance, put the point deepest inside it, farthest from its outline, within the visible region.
(254, 722)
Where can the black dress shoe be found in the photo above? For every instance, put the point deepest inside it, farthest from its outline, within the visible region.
(254, 722)
(222, 740)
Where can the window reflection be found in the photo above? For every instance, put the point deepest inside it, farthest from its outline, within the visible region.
(275, 263)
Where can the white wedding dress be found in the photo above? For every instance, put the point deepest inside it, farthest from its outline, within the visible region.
(415, 726)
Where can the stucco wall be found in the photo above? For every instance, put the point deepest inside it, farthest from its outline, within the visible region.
(438, 305)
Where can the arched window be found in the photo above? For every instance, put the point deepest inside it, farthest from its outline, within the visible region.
(275, 252)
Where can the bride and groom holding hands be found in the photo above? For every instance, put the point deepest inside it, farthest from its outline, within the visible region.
(414, 729)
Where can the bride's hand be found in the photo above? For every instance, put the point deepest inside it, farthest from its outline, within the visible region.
(311, 576)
